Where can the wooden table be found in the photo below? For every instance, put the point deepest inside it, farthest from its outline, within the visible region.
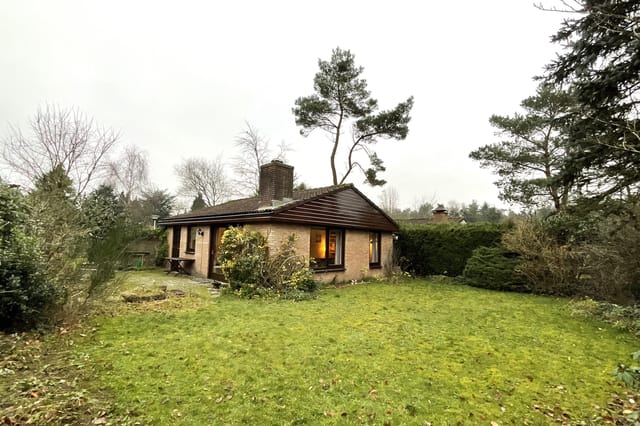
(178, 264)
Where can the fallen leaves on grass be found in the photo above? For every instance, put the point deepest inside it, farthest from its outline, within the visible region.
(621, 409)
(42, 382)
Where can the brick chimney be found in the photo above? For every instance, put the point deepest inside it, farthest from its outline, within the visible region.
(440, 214)
(276, 182)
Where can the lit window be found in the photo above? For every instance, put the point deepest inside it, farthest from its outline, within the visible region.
(327, 248)
(374, 249)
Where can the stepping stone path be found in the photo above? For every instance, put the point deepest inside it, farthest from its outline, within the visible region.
(213, 286)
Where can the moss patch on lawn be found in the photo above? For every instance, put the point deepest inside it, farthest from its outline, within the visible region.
(373, 353)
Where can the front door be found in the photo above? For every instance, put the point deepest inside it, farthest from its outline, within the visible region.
(175, 244)
(214, 243)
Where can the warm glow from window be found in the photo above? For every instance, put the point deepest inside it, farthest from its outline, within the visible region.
(326, 247)
(318, 244)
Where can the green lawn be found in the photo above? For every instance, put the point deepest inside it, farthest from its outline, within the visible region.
(372, 353)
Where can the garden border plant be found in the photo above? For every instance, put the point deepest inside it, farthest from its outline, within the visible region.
(252, 272)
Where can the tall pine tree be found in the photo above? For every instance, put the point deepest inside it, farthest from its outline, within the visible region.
(601, 65)
(341, 99)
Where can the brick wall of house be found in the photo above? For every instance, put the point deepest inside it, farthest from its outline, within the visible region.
(169, 240)
(201, 264)
(356, 250)
(278, 233)
(357, 257)
(386, 251)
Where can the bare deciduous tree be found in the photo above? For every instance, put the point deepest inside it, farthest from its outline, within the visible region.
(390, 200)
(254, 152)
(59, 136)
(129, 173)
(198, 176)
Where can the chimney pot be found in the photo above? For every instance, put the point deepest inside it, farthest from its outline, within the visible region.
(440, 214)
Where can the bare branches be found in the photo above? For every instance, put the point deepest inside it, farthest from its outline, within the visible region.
(254, 152)
(65, 137)
(129, 173)
(198, 176)
(390, 200)
(569, 7)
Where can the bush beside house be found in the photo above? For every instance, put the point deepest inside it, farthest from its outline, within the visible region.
(251, 271)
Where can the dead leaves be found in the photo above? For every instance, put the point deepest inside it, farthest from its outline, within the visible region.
(326, 384)
(223, 398)
(557, 414)
(621, 409)
(344, 414)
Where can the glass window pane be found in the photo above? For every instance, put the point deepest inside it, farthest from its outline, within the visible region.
(326, 247)
(317, 245)
(374, 247)
(335, 247)
(191, 241)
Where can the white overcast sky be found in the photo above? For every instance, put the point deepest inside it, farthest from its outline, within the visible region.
(180, 78)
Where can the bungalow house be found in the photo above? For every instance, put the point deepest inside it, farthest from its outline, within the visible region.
(337, 227)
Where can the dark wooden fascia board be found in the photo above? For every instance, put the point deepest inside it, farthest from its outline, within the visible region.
(382, 212)
(223, 218)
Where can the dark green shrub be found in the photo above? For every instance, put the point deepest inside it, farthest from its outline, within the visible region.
(27, 296)
(444, 249)
(494, 268)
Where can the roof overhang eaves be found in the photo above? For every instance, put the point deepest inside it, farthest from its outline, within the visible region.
(225, 218)
(345, 225)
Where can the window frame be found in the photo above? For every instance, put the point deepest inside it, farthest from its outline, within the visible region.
(325, 266)
(191, 242)
(378, 237)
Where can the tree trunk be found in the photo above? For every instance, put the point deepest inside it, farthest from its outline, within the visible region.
(335, 149)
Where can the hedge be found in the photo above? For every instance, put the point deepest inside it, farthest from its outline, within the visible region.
(444, 249)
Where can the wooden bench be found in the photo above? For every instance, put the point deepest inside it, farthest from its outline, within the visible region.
(139, 256)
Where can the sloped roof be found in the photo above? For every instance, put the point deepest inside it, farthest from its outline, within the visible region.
(340, 205)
